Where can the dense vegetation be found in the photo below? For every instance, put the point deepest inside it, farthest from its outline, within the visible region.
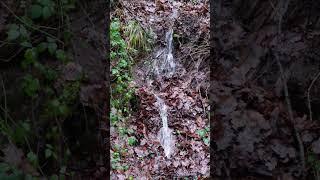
(127, 43)
(37, 144)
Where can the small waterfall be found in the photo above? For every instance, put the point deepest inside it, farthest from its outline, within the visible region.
(167, 68)
(164, 65)
(165, 134)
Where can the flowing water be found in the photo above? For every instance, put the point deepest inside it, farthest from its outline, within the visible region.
(164, 65)
(165, 134)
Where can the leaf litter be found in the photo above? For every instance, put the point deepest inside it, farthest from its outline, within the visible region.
(252, 135)
(187, 107)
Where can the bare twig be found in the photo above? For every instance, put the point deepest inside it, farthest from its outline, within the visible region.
(296, 133)
(5, 101)
(286, 92)
(308, 95)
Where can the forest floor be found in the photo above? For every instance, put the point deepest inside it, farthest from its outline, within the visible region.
(185, 94)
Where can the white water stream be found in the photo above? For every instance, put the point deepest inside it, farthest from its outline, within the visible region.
(165, 135)
(165, 66)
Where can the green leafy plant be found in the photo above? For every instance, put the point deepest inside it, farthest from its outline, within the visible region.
(121, 93)
(17, 32)
(314, 163)
(115, 158)
(61, 55)
(30, 86)
(203, 133)
(9, 172)
(42, 9)
(56, 108)
(49, 152)
(39, 45)
(123, 131)
(33, 158)
(132, 141)
(30, 57)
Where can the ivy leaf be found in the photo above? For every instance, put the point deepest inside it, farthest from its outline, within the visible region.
(49, 146)
(52, 47)
(27, 21)
(13, 34)
(201, 133)
(63, 110)
(35, 11)
(60, 55)
(114, 71)
(26, 44)
(63, 169)
(42, 47)
(54, 177)
(31, 55)
(32, 157)
(206, 141)
(123, 63)
(48, 153)
(132, 141)
(46, 12)
(30, 86)
(113, 55)
(23, 31)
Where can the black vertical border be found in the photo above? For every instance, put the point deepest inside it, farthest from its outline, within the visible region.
(215, 8)
(212, 12)
(106, 120)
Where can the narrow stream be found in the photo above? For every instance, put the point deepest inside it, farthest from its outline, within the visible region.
(165, 66)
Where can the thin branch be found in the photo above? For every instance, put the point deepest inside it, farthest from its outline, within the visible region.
(286, 92)
(296, 133)
(5, 101)
(308, 94)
